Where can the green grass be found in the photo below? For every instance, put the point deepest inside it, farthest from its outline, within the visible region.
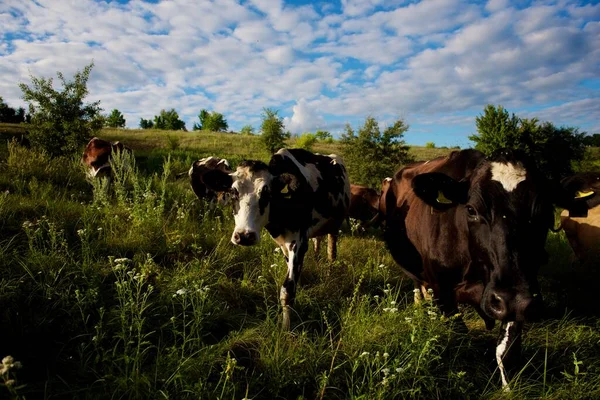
(136, 292)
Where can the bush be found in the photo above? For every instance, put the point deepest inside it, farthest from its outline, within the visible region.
(430, 145)
(306, 141)
(146, 123)
(169, 120)
(247, 130)
(273, 135)
(61, 123)
(211, 121)
(372, 155)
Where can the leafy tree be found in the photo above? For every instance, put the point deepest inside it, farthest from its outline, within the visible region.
(10, 115)
(554, 149)
(273, 135)
(146, 123)
(247, 130)
(592, 140)
(211, 121)
(430, 145)
(61, 122)
(323, 135)
(169, 120)
(306, 141)
(115, 119)
(371, 155)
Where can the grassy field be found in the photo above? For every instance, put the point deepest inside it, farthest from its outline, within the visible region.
(136, 292)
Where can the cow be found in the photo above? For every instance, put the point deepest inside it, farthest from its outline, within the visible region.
(583, 233)
(97, 156)
(364, 203)
(196, 173)
(472, 229)
(379, 217)
(297, 196)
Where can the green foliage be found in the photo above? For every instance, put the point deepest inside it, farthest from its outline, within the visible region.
(371, 155)
(61, 123)
(323, 135)
(115, 119)
(272, 128)
(10, 115)
(211, 121)
(306, 141)
(430, 145)
(554, 149)
(247, 130)
(592, 140)
(146, 123)
(169, 120)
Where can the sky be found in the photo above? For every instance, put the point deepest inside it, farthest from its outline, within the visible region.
(323, 64)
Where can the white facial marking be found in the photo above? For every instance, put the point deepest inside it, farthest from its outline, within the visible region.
(500, 352)
(509, 175)
(248, 218)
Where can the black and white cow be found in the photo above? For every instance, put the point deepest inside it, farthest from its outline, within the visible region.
(196, 173)
(299, 195)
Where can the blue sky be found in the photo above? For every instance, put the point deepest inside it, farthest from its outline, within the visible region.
(434, 63)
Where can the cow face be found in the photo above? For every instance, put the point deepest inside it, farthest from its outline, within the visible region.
(249, 188)
(505, 214)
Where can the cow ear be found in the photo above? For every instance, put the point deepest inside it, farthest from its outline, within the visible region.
(285, 184)
(579, 193)
(217, 180)
(439, 190)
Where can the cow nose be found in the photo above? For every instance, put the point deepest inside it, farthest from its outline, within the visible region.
(498, 305)
(505, 305)
(244, 238)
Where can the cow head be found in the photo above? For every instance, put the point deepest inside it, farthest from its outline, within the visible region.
(251, 188)
(504, 208)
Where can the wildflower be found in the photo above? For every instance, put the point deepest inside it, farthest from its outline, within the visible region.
(386, 309)
(181, 292)
(385, 371)
(277, 250)
(27, 224)
(376, 297)
(386, 355)
(99, 229)
(408, 319)
(81, 232)
(399, 370)
(386, 291)
(364, 354)
(122, 260)
(392, 302)
(431, 312)
(381, 266)
(273, 265)
(393, 310)
(415, 290)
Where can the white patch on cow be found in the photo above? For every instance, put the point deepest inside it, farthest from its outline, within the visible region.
(225, 162)
(508, 174)
(310, 171)
(248, 218)
(388, 179)
(501, 351)
(93, 172)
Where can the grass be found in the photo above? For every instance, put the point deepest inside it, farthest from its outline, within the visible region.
(134, 291)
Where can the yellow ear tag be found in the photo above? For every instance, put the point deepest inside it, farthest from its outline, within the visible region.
(442, 199)
(580, 195)
(285, 189)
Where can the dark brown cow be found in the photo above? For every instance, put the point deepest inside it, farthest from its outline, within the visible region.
(97, 155)
(379, 218)
(364, 203)
(199, 169)
(473, 229)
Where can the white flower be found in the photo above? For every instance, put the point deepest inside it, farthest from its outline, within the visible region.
(277, 250)
(381, 266)
(399, 370)
(181, 292)
(392, 302)
(416, 290)
(386, 355)
(376, 297)
(364, 354)
(273, 265)
(393, 310)
(408, 319)
(386, 290)
(386, 309)
(385, 371)
(122, 260)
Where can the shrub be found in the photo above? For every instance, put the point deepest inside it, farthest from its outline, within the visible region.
(211, 121)
(306, 141)
(61, 123)
(430, 145)
(247, 130)
(169, 120)
(370, 155)
(272, 126)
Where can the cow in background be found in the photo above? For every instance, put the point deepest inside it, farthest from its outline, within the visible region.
(196, 173)
(364, 203)
(297, 196)
(473, 229)
(97, 155)
(583, 232)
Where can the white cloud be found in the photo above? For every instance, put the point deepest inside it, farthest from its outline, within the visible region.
(305, 118)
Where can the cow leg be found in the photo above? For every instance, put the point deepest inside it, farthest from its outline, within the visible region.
(331, 247)
(317, 244)
(297, 247)
(508, 349)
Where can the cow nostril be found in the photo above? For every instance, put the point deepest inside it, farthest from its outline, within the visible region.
(497, 303)
(236, 237)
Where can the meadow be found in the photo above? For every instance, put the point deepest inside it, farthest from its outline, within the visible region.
(134, 291)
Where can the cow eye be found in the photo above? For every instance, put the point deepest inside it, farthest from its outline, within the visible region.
(471, 212)
(235, 194)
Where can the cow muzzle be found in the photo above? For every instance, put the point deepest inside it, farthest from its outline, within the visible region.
(245, 238)
(507, 305)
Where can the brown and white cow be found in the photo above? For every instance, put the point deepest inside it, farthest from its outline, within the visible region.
(196, 173)
(97, 155)
(299, 195)
(583, 232)
(473, 230)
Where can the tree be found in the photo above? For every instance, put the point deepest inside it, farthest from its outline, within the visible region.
(323, 135)
(306, 141)
(61, 122)
(146, 123)
(211, 121)
(169, 120)
(10, 115)
(115, 119)
(592, 140)
(553, 149)
(247, 130)
(371, 155)
(272, 128)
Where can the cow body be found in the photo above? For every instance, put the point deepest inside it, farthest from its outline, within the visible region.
(364, 203)
(473, 229)
(299, 195)
(97, 155)
(196, 173)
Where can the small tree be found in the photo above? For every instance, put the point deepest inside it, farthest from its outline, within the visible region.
(10, 115)
(430, 145)
(323, 135)
(496, 128)
(306, 141)
(61, 123)
(169, 120)
(247, 130)
(272, 128)
(211, 121)
(146, 123)
(371, 155)
(115, 119)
